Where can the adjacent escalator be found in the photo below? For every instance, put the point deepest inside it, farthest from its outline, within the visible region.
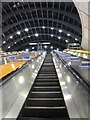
(45, 99)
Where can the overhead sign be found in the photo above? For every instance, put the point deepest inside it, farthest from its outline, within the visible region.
(11, 58)
(26, 57)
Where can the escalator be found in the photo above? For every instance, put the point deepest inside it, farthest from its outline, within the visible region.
(45, 100)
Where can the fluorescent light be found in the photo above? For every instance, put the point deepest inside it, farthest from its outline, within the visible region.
(36, 34)
(76, 39)
(4, 42)
(8, 46)
(66, 40)
(52, 28)
(11, 37)
(59, 37)
(46, 43)
(60, 30)
(51, 35)
(68, 34)
(32, 43)
(51, 47)
(18, 32)
(26, 29)
(43, 27)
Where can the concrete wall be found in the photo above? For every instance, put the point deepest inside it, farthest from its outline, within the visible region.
(83, 9)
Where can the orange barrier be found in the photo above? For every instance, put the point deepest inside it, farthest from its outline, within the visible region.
(5, 69)
(32, 56)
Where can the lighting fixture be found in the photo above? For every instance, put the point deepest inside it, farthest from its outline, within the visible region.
(68, 34)
(51, 47)
(32, 48)
(76, 39)
(27, 50)
(60, 30)
(36, 34)
(57, 48)
(26, 29)
(51, 35)
(75, 44)
(52, 28)
(29, 36)
(66, 40)
(43, 27)
(59, 37)
(45, 46)
(15, 42)
(4, 42)
(18, 33)
(32, 43)
(46, 43)
(11, 37)
(8, 46)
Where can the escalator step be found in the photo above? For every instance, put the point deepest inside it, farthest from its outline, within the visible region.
(45, 112)
(45, 103)
(45, 89)
(44, 95)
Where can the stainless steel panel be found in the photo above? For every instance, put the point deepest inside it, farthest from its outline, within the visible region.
(15, 92)
(76, 96)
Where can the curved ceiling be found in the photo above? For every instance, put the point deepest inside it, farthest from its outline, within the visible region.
(54, 22)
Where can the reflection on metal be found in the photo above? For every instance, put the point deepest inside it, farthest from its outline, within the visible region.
(39, 47)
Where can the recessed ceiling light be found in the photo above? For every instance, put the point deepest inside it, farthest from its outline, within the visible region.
(29, 36)
(36, 35)
(75, 43)
(18, 3)
(51, 35)
(4, 42)
(60, 30)
(52, 28)
(76, 39)
(57, 48)
(43, 27)
(11, 37)
(51, 47)
(26, 29)
(32, 48)
(14, 6)
(68, 34)
(59, 37)
(15, 43)
(66, 40)
(18, 32)
(45, 46)
(8, 46)
(22, 39)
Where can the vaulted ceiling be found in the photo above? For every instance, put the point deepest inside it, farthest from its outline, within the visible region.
(27, 22)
